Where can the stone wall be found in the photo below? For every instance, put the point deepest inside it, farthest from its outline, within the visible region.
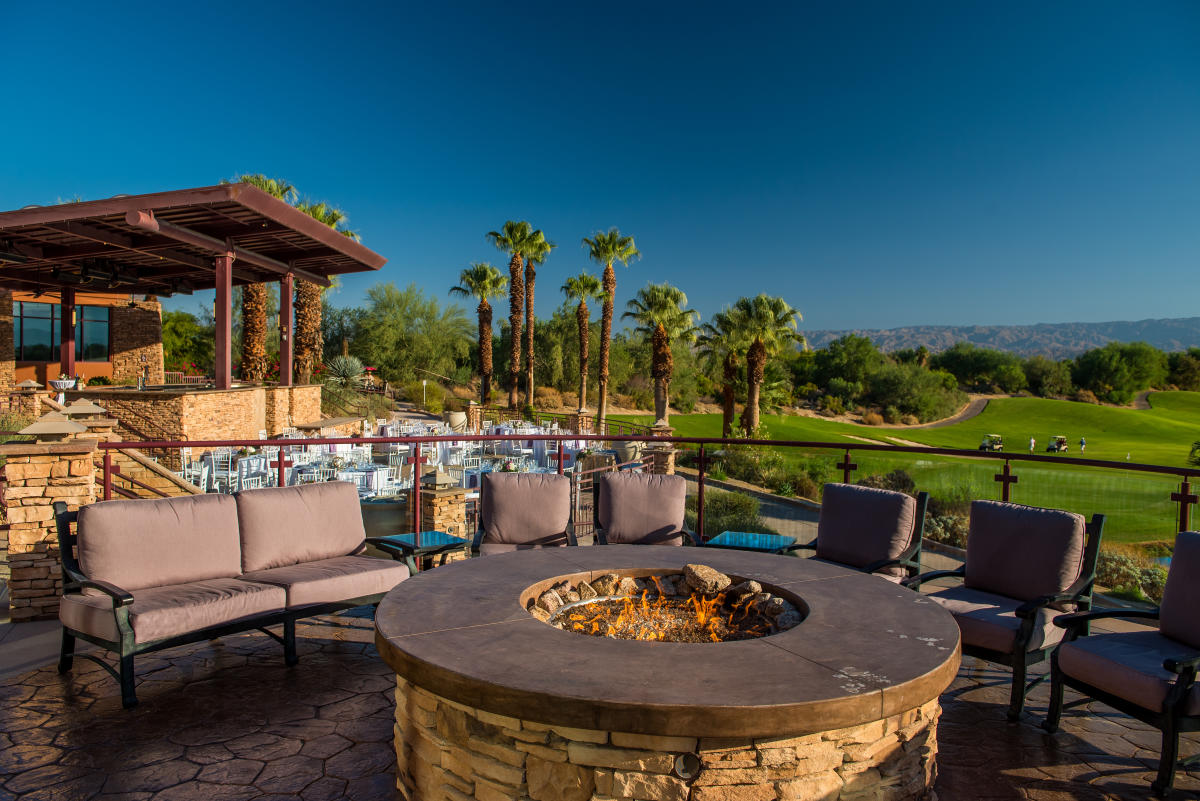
(445, 510)
(135, 332)
(451, 752)
(34, 477)
(7, 364)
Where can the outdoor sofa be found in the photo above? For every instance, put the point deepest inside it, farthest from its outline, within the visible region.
(143, 575)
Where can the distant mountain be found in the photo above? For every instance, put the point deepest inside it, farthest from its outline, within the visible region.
(1056, 340)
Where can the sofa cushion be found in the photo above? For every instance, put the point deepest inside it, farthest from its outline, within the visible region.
(862, 525)
(641, 508)
(331, 580)
(138, 544)
(525, 508)
(1023, 552)
(990, 621)
(1181, 598)
(160, 612)
(283, 526)
(1129, 665)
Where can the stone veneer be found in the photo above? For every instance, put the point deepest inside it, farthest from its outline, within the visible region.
(451, 752)
(7, 364)
(135, 333)
(34, 477)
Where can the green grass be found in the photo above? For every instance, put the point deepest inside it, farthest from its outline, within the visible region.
(1137, 505)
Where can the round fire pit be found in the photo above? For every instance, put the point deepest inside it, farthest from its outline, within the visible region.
(495, 703)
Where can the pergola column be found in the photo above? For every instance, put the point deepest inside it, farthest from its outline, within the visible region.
(66, 335)
(286, 323)
(223, 350)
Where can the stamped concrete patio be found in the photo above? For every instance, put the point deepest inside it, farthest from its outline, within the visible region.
(227, 720)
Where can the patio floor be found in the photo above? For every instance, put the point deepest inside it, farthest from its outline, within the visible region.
(226, 720)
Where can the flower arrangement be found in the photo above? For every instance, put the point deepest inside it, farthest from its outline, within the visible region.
(508, 467)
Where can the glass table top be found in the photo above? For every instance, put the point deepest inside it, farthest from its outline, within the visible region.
(751, 542)
(429, 539)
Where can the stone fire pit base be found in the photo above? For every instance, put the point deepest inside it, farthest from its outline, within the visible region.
(451, 752)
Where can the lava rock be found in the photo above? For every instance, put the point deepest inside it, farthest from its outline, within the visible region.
(586, 591)
(774, 607)
(627, 586)
(572, 596)
(739, 592)
(788, 620)
(540, 613)
(550, 601)
(664, 586)
(705, 579)
(606, 584)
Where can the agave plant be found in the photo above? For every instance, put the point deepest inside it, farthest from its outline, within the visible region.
(344, 371)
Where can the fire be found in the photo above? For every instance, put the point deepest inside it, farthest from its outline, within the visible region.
(662, 617)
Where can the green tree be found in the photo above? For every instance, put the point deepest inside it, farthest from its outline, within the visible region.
(1047, 378)
(483, 281)
(850, 358)
(658, 311)
(407, 334)
(607, 249)
(518, 240)
(1117, 371)
(1183, 369)
(582, 288)
(768, 325)
(187, 342)
(537, 255)
(721, 347)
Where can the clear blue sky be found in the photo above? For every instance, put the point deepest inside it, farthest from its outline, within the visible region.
(877, 164)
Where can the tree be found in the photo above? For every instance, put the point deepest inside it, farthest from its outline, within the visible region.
(721, 346)
(187, 342)
(1118, 370)
(768, 324)
(536, 255)
(582, 288)
(851, 358)
(483, 281)
(607, 249)
(308, 341)
(517, 239)
(658, 311)
(1048, 378)
(1184, 369)
(408, 335)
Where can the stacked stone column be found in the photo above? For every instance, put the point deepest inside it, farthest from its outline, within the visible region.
(34, 477)
(660, 457)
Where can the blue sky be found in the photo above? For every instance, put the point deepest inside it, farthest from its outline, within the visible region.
(876, 164)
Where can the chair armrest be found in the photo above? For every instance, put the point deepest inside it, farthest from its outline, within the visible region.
(801, 546)
(119, 596)
(599, 537)
(875, 567)
(1030, 608)
(1178, 666)
(1072, 619)
(476, 541)
(395, 551)
(570, 532)
(917, 581)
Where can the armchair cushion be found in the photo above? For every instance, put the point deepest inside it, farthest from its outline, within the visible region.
(1023, 552)
(641, 508)
(283, 526)
(861, 525)
(525, 508)
(331, 580)
(1128, 665)
(160, 612)
(1181, 598)
(139, 544)
(990, 621)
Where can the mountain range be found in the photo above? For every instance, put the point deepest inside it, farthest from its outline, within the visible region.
(1055, 340)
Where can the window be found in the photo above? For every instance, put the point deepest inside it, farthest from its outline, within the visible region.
(36, 327)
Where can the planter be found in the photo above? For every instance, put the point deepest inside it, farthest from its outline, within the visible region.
(457, 421)
(62, 385)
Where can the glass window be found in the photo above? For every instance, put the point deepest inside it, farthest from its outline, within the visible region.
(37, 339)
(91, 334)
(36, 332)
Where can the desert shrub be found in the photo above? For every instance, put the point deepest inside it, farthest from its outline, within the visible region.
(803, 485)
(640, 398)
(727, 511)
(831, 405)
(786, 490)
(1085, 396)
(947, 529)
(891, 415)
(910, 420)
(344, 371)
(951, 501)
(570, 400)
(896, 481)
(99, 381)
(873, 419)
(1153, 581)
(547, 398)
(1128, 574)
(718, 472)
(433, 393)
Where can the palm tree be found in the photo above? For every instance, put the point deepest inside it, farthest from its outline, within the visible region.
(721, 347)
(517, 239)
(308, 341)
(537, 255)
(607, 248)
(767, 325)
(583, 287)
(275, 187)
(482, 280)
(657, 309)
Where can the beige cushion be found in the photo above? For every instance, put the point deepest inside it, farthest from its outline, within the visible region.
(1023, 552)
(283, 526)
(342, 578)
(137, 544)
(641, 508)
(990, 621)
(1181, 598)
(863, 525)
(525, 508)
(1129, 665)
(160, 612)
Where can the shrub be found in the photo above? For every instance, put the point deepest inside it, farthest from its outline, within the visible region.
(1086, 396)
(873, 419)
(910, 420)
(641, 398)
(718, 472)
(896, 481)
(891, 415)
(803, 485)
(570, 400)
(547, 398)
(831, 405)
(1153, 581)
(786, 490)
(952, 501)
(727, 511)
(948, 529)
(99, 381)
(434, 395)
(344, 371)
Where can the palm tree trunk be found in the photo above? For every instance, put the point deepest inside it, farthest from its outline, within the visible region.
(516, 302)
(485, 351)
(254, 332)
(662, 365)
(756, 361)
(606, 317)
(530, 279)
(583, 317)
(308, 343)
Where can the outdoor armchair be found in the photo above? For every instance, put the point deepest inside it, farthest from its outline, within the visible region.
(1024, 565)
(640, 509)
(871, 530)
(523, 511)
(1149, 675)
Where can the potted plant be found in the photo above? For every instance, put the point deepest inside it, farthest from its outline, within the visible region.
(63, 382)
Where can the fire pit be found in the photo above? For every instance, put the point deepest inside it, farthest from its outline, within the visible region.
(831, 692)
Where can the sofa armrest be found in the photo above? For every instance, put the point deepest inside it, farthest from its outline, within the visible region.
(119, 596)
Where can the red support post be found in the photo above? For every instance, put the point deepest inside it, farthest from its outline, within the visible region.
(703, 462)
(1185, 499)
(282, 481)
(416, 494)
(107, 476)
(560, 457)
(286, 324)
(847, 466)
(223, 350)
(66, 332)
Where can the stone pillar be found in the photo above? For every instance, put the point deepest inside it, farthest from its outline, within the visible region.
(445, 510)
(660, 457)
(582, 423)
(34, 477)
(8, 364)
(135, 330)
(474, 417)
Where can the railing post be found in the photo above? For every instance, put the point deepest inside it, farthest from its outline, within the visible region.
(1185, 499)
(560, 457)
(703, 462)
(416, 494)
(282, 481)
(108, 475)
(847, 466)
(1006, 479)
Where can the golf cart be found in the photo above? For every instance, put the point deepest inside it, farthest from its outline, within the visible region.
(992, 442)
(1058, 444)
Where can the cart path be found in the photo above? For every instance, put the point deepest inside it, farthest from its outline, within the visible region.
(973, 409)
(1142, 401)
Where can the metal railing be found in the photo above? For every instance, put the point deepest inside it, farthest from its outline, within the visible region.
(1007, 465)
(175, 378)
(566, 420)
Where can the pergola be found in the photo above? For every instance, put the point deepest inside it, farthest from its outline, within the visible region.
(176, 242)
